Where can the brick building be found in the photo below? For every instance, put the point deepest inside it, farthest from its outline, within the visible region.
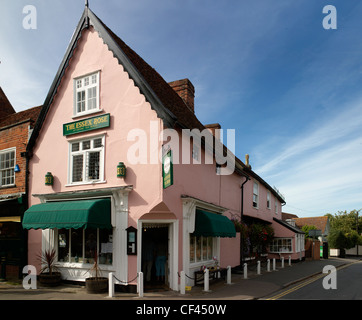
(15, 130)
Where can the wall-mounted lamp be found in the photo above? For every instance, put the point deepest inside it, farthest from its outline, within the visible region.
(121, 170)
(49, 179)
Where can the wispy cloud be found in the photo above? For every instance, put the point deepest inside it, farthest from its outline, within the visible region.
(320, 171)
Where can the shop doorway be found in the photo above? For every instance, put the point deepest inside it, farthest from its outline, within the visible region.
(155, 256)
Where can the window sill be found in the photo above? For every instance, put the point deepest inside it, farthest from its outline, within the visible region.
(8, 186)
(85, 183)
(81, 265)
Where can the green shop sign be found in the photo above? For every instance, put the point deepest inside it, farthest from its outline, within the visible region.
(89, 124)
(167, 170)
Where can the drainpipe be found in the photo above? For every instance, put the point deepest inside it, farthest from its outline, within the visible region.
(247, 178)
(26, 154)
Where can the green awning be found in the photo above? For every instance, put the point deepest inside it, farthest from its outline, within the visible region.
(210, 224)
(69, 214)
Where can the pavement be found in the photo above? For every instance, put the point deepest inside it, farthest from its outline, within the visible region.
(254, 287)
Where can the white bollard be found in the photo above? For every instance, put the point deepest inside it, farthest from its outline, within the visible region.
(290, 261)
(268, 266)
(245, 271)
(182, 282)
(274, 264)
(258, 268)
(206, 280)
(228, 275)
(110, 285)
(140, 284)
(282, 262)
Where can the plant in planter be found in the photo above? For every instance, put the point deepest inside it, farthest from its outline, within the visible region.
(96, 283)
(49, 273)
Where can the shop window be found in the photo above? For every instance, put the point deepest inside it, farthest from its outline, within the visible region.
(81, 245)
(86, 91)
(201, 249)
(281, 245)
(86, 161)
(7, 165)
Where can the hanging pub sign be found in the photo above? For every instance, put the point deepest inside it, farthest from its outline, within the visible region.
(167, 169)
(94, 123)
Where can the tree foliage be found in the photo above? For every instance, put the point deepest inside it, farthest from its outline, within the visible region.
(346, 228)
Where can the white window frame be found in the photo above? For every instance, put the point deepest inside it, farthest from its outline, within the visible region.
(84, 84)
(268, 200)
(276, 205)
(256, 195)
(85, 153)
(280, 246)
(11, 168)
(82, 259)
(202, 261)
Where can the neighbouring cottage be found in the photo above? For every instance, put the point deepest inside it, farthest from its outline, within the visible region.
(121, 167)
(15, 130)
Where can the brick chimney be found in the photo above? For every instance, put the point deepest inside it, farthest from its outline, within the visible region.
(212, 128)
(185, 89)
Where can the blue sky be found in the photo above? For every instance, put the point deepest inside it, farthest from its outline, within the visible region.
(268, 69)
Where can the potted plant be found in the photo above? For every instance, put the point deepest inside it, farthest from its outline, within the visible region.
(49, 273)
(96, 283)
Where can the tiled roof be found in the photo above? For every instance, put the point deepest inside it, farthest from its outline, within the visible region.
(15, 118)
(286, 216)
(5, 106)
(319, 222)
(170, 99)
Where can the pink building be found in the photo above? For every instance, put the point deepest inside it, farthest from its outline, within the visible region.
(108, 109)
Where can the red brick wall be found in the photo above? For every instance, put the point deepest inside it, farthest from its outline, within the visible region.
(16, 136)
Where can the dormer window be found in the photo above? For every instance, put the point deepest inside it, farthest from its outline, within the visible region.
(86, 94)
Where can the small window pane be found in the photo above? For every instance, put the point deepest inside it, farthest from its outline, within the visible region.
(90, 245)
(86, 145)
(198, 249)
(92, 98)
(63, 245)
(76, 245)
(97, 143)
(192, 248)
(106, 246)
(204, 248)
(77, 168)
(93, 165)
(94, 78)
(75, 147)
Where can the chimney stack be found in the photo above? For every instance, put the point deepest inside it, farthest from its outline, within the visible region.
(247, 161)
(212, 128)
(185, 89)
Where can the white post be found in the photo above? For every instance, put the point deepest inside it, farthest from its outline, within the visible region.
(282, 262)
(228, 275)
(206, 280)
(110, 285)
(258, 268)
(140, 284)
(182, 282)
(290, 260)
(268, 265)
(274, 264)
(245, 271)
